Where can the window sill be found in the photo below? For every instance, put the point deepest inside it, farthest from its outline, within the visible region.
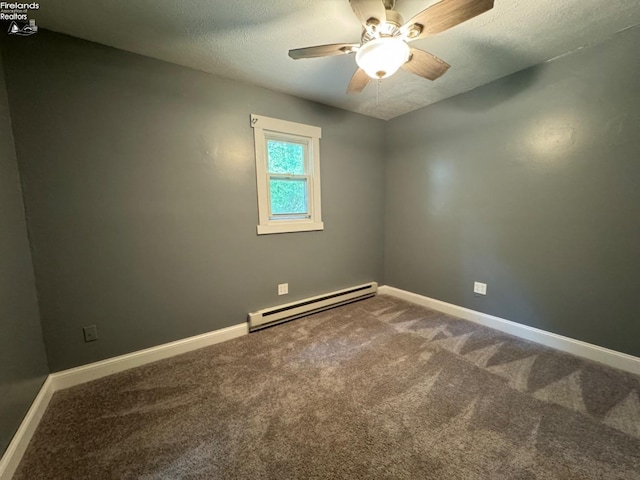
(290, 228)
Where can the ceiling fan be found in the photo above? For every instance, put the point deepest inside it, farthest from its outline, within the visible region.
(384, 46)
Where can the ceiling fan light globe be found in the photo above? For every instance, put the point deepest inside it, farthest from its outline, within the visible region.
(382, 57)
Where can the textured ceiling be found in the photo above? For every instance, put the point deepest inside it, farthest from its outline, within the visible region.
(248, 40)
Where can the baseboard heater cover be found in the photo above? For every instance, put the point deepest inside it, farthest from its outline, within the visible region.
(290, 311)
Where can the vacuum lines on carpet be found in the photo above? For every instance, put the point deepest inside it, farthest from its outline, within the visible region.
(378, 389)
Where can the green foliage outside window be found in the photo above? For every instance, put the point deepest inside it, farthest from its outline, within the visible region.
(285, 157)
(288, 195)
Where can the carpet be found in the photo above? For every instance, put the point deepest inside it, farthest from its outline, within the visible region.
(380, 388)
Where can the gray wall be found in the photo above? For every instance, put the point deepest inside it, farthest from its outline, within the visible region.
(140, 185)
(23, 364)
(532, 185)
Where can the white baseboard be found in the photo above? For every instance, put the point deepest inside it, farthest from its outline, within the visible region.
(75, 376)
(582, 349)
(93, 371)
(13, 454)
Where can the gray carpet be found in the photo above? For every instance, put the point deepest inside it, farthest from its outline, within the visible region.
(376, 389)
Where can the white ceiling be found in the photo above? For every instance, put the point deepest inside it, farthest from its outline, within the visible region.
(248, 40)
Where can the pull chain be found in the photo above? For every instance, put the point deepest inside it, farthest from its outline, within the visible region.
(378, 91)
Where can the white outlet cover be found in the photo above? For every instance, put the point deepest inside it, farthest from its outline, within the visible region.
(283, 289)
(480, 288)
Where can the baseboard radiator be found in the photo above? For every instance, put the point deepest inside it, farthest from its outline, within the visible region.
(290, 311)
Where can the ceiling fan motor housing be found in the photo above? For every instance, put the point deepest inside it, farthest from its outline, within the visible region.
(394, 18)
(390, 28)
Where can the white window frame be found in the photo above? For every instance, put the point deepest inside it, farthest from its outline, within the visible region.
(265, 128)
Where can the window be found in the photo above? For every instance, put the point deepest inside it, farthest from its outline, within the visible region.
(288, 175)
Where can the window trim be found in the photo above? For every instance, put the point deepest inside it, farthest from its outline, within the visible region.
(265, 128)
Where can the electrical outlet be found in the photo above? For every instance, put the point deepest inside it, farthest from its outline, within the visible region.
(480, 288)
(90, 333)
(283, 289)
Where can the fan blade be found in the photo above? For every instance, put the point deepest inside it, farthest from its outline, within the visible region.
(444, 15)
(358, 81)
(365, 10)
(425, 65)
(324, 50)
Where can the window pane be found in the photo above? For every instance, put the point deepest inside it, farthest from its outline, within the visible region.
(288, 196)
(285, 157)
